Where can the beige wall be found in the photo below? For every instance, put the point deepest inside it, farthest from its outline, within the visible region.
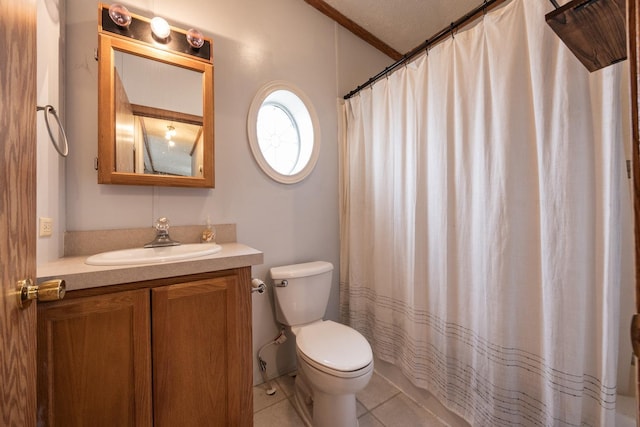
(50, 166)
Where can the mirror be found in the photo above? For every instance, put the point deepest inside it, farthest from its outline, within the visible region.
(155, 115)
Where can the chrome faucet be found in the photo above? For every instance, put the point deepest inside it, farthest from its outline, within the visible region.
(162, 235)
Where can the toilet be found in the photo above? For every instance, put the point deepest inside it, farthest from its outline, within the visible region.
(334, 360)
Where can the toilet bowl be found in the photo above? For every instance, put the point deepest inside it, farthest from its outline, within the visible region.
(334, 361)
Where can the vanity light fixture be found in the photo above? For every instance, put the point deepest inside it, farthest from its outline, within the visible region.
(195, 38)
(120, 15)
(156, 32)
(160, 28)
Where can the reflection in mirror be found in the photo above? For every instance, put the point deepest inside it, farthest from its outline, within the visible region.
(169, 146)
(158, 117)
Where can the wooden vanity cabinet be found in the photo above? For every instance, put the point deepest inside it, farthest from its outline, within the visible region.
(94, 364)
(202, 353)
(173, 352)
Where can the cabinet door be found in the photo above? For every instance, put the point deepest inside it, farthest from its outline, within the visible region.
(94, 364)
(201, 337)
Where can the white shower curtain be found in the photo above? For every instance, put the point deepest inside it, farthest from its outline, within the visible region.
(483, 200)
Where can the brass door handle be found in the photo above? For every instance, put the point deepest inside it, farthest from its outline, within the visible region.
(50, 290)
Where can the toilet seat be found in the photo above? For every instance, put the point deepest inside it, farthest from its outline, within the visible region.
(335, 373)
(334, 348)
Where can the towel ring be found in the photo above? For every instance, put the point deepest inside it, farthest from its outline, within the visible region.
(48, 109)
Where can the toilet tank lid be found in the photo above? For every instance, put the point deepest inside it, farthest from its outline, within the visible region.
(300, 270)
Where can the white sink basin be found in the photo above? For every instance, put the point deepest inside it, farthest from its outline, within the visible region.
(154, 255)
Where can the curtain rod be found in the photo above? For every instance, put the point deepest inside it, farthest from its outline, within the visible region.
(439, 36)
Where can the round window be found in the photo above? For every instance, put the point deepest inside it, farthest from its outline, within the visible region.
(283, 132)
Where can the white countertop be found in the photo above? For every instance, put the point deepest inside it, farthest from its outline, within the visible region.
(79, 275)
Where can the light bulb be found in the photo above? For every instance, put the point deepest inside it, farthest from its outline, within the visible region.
(171, 131)
(120, 15)
(160, 28)
(195, 38)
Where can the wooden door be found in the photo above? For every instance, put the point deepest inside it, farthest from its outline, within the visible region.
(201, 333)
(94, 361)
(17, 210)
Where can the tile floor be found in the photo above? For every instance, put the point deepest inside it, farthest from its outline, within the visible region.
(380, 404)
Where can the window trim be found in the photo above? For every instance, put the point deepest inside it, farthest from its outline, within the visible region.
(252, 120)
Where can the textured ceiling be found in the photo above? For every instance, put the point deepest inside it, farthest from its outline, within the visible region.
(403, 24)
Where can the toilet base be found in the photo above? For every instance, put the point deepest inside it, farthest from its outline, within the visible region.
(302, 400)
(319, 409)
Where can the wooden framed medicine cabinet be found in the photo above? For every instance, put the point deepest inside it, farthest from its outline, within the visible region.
(155, 106)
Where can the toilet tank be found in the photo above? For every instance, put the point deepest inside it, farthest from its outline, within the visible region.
(304, 299)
